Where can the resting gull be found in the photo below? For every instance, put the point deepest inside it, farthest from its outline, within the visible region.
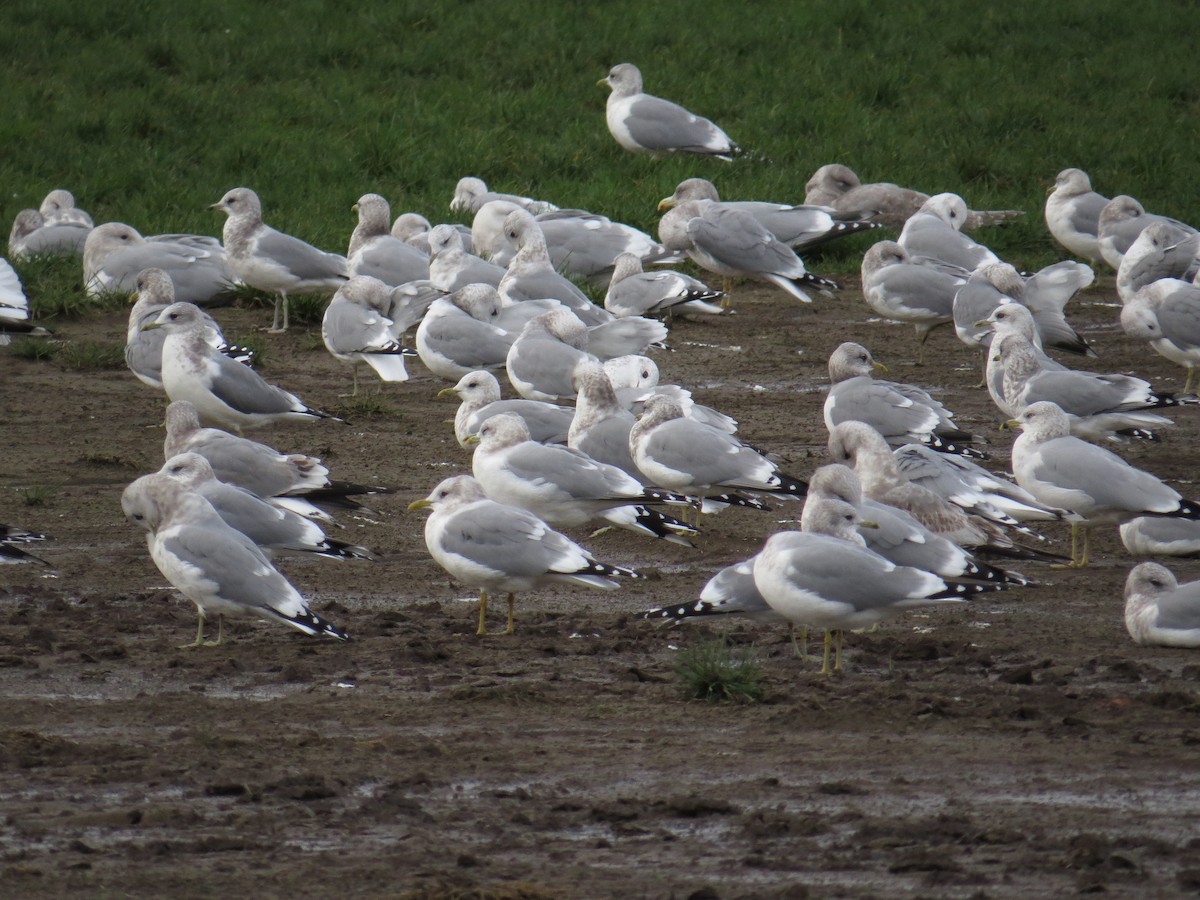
(1073, 214)
(905, 291)
(1166, 314)
(115, 253)
(32, 235)
(635, 292)
(480, 395)
(472, 193)
(1159, 610)
(497, 547)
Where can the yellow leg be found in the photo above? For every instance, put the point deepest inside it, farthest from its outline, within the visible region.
(511, 621)
(839, 636)
(482, 613)
(727, 287)
(825, 670)
(921, 339)
(1187, 385)
(220, 633)
(800, 650)
(199, 641)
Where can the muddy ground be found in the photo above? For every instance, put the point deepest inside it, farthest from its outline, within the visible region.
(1016, 746)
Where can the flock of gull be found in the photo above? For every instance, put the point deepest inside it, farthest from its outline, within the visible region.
(904, 515)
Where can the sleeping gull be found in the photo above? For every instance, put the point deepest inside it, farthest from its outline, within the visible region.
(143, 348)
(472, 193)
(799, 226)
(115, 253)
(1122, 220)
(459, 333)
(272, 261)
(1154, 536)
(1073, 214)
(837, 186)
(566, 487)
(1166, 314)
(215, 566)
(544, 356)
(291, 480)
(732, 243)
(902, 413)
(480, 395)
(451, 267)
(643, 123)
(601, 425)
(1162, 250)
(356, 329)
(58, 206)
(824, 577)
(634, 292)
(496, 547)
(224, 392)
(271, 527)
(934, 232)
(904, 291)
(1095, 485)
(1159, 610)
(376, 252)
(531, 275)
(32, 235)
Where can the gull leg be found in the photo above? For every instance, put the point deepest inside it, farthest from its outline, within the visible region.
(354, 369)
(220, 633)
(511, 622)
(281, 304)
(839, 635)
(1087, 539)
(825, 670)
(482, 613)
(922, 337)
(799, 650)
(727, 287)
(1187, 385)
(199, 641)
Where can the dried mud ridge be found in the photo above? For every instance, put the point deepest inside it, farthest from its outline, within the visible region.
(1017, 746)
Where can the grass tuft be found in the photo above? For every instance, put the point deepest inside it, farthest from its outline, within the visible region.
(36, 495)
(366, 405)
(715, 672)
(33, 349)
(91, 355)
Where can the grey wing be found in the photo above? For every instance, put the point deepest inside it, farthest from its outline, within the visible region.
(301, 259)
(740, 242)
(265, 524)
(973, 303)
(658, 124)
(547, 422)
(733, 590)
(143, 355)
(1180, 610)
(920, 288)
(710, 457)
(244, 390)
(504, 539)
(574, 473)
(349, 328)
(847, 573)
(1179, 319)
(392, 261)
(229, 560)
(1082, 393)
(607, 441)
(1083, 213)
(890, 412)
(1108, 480)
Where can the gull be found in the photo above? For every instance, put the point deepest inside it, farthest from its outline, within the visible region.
(215, 566)
(824, 577)
(531, 275)
(291, 480)
(58, 207)
(636, 379)
(902, 290)
(1122, 220)
(493, 546)
(565, 487)
(11, 540)
(224, 392)
(635, 292)
(643, 123)
(864, 448)
(409, 303)
(479, 392)
(451, 267)
(1073, 214)
(413, 228)
(601, 425)
(271, 527)
(545, 354)
(459, 333)
(356, 329)
(1162, 250)
(681, 454)
(800, 226)
(580, 244)
(114, 253)
(1159, 610)
(1154, 536)
(902, 413)
(1095, 485)
(1096, 406)
(143, 348)
(472, 193)
(14, 306)
(1166, 314)
(32, 235)
(897, 536)
(934, 232)
(837, 186)
(732, 243)
(272, 261)
(376, 252)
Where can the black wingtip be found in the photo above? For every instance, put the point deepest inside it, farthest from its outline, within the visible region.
(314, 624)
(679, 611)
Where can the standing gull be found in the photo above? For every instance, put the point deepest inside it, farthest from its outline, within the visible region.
(531, 275)
(1166, 314)
(1073, 214)
(904, 291)
(480, 395)
(460, 334)
(215, 566)
(272, 261)
(1095, 485)
(1159, 610)
(643, 123)
(356, 330)
(451, 267)
(496, 547)
(545, 354)
(224, 392)
(634, 292)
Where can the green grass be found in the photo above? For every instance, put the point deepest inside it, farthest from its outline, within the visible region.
(86, 355)
(149, 118)
(36, 495)
(713, 671)
(33, 349)
(364, 403)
